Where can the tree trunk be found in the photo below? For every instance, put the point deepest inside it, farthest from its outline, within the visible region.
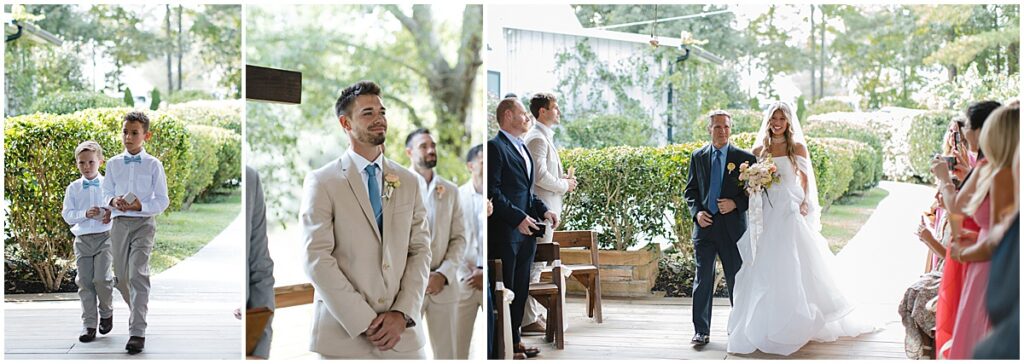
(167, 50)
(821, 60)
(814, 85)
(451, 85)
(180, 47)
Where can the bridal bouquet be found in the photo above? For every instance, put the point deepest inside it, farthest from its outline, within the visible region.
(758, 176)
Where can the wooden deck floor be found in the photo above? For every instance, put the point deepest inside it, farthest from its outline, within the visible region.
(662, 328)
(190, 313)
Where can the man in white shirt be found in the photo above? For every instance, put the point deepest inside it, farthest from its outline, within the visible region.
(471, 274)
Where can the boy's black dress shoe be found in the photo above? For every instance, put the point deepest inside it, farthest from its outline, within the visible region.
(135, 344)
(106, 324)
(88, 334)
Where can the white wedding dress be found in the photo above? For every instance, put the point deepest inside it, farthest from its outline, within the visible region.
(786, 293)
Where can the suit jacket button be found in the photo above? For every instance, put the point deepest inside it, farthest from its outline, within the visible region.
(386, 266)
(380, 301)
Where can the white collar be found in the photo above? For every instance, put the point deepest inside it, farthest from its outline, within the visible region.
(361, 162)
(519, 142)
(142, 153)
(544, 129)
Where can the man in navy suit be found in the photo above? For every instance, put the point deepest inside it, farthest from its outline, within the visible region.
(516, 210)
(719, 208)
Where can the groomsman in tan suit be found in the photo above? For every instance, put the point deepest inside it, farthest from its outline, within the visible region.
(447, 243)
(550, 182)
(367, 248)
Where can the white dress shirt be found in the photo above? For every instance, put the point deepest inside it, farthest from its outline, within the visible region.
(473, 214)
(427, 190)
(78, 199)
(145, 179)
(521, 148)
(361, 164)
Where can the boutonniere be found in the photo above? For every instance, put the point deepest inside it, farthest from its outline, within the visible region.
(391, 182)
(440, 191)
(731, 166)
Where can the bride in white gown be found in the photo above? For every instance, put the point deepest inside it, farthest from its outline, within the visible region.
(786, 293)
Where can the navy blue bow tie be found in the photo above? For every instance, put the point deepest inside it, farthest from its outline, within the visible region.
(93, 183)
(133, 159)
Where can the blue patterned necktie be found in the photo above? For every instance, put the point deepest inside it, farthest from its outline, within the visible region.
(133, 159)
(87, 183)
(374, 190)
(716, 182)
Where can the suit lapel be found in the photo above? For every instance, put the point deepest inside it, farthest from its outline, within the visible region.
(355, 182)
(515, 153)
(388, 208)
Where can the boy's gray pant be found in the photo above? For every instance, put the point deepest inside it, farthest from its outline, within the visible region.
(132, 243)
(92, 257)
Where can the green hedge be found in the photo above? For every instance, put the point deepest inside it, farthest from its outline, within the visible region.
(182, 96)
(68, 102)
(228, 155)
(40, 163)
(870, 160)
(633, 194)
(205, 145)
(925, 139)
(224, 114)
(827, 106)
(743, 121)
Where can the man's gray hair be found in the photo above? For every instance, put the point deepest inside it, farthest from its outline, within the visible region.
(714, 113)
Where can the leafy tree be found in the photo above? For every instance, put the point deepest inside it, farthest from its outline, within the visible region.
(218, 29)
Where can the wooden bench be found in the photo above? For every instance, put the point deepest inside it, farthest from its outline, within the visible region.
(548, 292)
(589, 275)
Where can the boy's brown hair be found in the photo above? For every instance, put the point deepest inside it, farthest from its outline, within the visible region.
(138, 117)
(89, 146)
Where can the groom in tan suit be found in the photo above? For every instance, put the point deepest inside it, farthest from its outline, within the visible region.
(366, 242)
(447, 243)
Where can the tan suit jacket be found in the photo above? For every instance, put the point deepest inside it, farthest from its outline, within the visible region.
(547, 168)
(355, 272)
(448, 239)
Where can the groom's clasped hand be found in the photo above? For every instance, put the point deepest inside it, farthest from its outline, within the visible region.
(386, 329)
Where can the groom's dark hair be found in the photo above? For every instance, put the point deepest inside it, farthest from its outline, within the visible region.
(348, 96)
(541, 100)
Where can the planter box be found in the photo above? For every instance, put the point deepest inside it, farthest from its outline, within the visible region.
(623, 273)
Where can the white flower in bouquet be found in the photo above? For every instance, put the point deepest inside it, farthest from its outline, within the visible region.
(758, 176)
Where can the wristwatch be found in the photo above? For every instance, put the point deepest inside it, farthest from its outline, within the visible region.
(408, 320)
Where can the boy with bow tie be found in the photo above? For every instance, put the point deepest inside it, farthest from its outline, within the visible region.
(90, 223)
(136, 188)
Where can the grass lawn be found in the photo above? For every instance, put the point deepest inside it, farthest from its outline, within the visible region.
(845, 217)
(181, 234)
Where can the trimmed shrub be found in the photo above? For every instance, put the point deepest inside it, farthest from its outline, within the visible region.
(154, 103)
(743, 121)
(873, 137)
(228, 154)
(129, 100)
(205, 145)
(925, 139)
(69, 102)
(826, 106)
(182, 96)
(40, 163)
(223, 114)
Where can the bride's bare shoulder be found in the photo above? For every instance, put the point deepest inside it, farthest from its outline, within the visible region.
(800, 149)
(757, 150)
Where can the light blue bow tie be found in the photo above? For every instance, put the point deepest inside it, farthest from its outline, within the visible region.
(133, 159)
(93, 183)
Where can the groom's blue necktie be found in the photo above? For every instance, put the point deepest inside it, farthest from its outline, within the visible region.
(374, 190)
(716, 181)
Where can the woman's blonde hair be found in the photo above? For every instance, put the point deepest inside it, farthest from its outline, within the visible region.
(998, 140)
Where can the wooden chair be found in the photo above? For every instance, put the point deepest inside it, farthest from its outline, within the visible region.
(549, 293)
(502, 323)
(589, 275)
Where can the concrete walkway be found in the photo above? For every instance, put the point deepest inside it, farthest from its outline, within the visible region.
(190, 313)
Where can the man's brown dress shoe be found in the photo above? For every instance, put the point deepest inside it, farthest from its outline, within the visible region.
(529, 352)
(88, 334)
(135, 344)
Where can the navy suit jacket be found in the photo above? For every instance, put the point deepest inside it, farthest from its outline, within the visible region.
(728, 227)
(510, 189)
